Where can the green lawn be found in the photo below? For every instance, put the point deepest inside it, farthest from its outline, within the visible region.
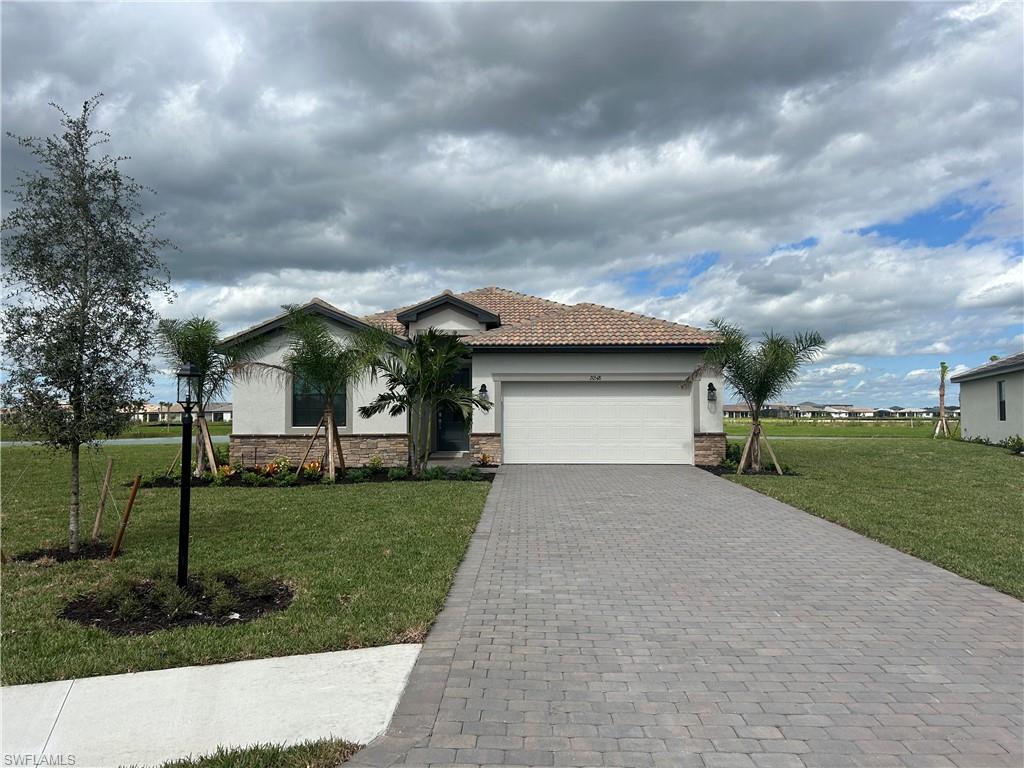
(955, 504)
(314, 754)
(137, 430)
(835, 427)
(370, 564)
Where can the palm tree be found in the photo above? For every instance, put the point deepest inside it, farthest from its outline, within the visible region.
(419, 377)
(196, 340)
(325, 365)
(760, 373)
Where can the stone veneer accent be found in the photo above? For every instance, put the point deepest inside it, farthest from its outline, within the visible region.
(393, 449)
(708, 448)
(485, 442)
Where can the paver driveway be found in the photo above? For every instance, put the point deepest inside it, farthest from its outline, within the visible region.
(648, 616)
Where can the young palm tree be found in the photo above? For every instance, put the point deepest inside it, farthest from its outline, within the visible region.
(197, 341)
(325, 365)
(419, 380)
(759, 373)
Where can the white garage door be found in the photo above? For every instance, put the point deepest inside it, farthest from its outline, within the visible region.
(604, 422)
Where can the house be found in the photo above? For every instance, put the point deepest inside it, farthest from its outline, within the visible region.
(170, 413)
(992, 399)
(579, 383)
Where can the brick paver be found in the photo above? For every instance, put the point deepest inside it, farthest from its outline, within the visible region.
(661, 616)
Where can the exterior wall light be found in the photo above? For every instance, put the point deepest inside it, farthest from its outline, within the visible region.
(483, 393)
(712, 393)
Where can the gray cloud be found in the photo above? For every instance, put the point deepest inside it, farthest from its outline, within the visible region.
(377, 153)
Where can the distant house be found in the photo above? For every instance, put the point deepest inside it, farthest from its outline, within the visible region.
(170, 413)
(769, 411)
(992, 399)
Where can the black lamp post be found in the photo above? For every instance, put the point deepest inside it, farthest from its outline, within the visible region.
(188, 397)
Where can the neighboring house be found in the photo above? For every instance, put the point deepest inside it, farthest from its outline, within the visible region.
(156, 413)
(579, 383)
(992, 399)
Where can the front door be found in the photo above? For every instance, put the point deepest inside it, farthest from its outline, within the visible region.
(451, 427)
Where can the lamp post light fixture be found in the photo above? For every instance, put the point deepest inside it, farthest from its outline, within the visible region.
(188, 398)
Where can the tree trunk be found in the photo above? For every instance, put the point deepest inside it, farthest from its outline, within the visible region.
(425, 452)
(337, 446)
(73, 513)
(329, 419)
(200, 457)
(755, 446)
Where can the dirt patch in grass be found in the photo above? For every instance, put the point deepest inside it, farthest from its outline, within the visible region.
(52, 555)
(144, 606)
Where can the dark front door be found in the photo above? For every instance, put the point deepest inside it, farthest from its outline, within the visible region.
(451, 427)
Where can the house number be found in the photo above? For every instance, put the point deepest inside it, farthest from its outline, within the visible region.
(595, 378)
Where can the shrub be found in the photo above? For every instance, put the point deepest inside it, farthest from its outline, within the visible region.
(359, 475)
(398, 473)
(434, 473)
(376, 463)
(311, 470)
(1013, 444)
(733, 452)
(469, 473)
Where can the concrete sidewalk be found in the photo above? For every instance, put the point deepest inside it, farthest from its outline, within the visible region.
(150, 717)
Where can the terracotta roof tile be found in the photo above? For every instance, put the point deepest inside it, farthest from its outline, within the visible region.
(509, 306)
(592, 325)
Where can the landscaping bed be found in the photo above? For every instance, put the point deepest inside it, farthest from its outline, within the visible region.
(131, 606)
(42, 556)
(952, 503)
(281, 474)
(368, 564)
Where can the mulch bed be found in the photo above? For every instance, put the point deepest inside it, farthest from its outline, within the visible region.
(247, 605)
(720, 470)
(235, 481)
(49, 555)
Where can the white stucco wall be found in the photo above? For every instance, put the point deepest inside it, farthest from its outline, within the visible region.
(979, 409)
(262, 405)
(491, 368)
(447, 319)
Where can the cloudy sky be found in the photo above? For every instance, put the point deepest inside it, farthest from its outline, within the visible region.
(850, 168)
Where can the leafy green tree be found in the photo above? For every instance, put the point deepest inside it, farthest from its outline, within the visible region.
(80, 262)
(760, 372)
(196, 340)
(418, 379)
(326, 365)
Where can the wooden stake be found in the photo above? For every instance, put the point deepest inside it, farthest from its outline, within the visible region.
(778, 467)
(211, 455)
(103, 498)
(124, 519)
(743, 456)
(316, 433)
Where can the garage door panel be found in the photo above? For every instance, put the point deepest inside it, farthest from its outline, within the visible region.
(596, 422)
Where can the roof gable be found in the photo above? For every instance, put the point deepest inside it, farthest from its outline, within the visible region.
(447, 298)
(315, 306)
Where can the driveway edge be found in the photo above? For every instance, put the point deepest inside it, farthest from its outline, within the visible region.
(414, 717)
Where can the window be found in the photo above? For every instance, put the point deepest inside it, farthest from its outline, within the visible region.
(1001, 399)
(308, 406)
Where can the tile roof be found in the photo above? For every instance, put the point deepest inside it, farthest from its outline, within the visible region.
(591, 325)
(1003, 364)
(509, 306)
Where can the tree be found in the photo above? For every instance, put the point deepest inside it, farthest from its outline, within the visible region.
(419, 377)
(325, 365)
(941, 425)
(759, 373)
(197, 341)
(81, 262)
